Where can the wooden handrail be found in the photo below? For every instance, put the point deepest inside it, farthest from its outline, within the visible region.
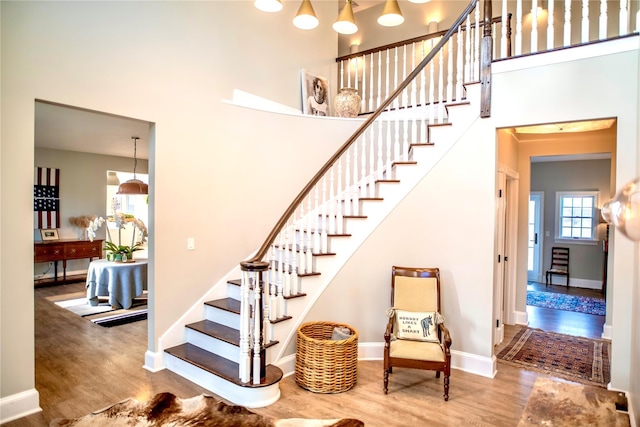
(418, 39)
(256, 262)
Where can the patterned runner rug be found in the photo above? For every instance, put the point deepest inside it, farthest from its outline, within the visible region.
(580, 304)
(578, 359)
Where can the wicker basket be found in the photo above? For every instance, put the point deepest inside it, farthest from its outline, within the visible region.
(324, 365)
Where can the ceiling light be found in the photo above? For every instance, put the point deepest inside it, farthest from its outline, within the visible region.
(346, 23)
(391, 14)
(306, 18)
(268, 5)
(134, 186)
(419, 1)
(112, 178)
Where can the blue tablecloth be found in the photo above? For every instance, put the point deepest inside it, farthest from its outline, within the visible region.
(120, 281)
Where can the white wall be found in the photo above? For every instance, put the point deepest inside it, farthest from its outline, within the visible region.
(171, 64)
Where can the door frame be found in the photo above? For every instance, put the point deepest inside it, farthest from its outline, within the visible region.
(536, 274)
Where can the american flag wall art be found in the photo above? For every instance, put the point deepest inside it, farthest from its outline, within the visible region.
(46, 198)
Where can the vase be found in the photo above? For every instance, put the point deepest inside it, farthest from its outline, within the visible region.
(347, 102)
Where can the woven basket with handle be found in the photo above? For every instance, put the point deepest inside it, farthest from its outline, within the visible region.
(324, 365)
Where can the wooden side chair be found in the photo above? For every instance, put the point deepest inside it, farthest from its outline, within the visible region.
(416, 336)
(559, 264)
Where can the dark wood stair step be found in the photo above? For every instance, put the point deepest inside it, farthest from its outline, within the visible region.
(223, 368)
(225, 333)
(226, 304)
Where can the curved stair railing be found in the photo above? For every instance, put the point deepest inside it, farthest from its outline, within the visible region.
(317, 214)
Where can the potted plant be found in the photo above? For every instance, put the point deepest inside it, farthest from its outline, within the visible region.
(121, 252)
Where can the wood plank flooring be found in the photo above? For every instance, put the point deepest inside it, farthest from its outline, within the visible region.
(82, 367)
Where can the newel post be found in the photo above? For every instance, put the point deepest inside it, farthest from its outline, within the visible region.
(252, 364)
(485, 62)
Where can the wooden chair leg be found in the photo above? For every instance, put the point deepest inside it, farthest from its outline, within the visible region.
(446, 387)
(386, 381)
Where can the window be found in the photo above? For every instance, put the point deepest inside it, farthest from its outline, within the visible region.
(575, 215)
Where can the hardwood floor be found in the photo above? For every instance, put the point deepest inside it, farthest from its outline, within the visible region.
(82, 367)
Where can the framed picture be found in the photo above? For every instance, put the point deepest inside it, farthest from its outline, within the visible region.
(49, 234)
(315, 94)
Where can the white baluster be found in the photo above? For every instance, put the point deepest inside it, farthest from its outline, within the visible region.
(423, 97)
(567, 23)
(475, 71)
(396, 146)
(245, 314)
(386, 94)
(273, 285)
(379, 101)
(518, 38)
(440, 86)
(332, 203)
(550, 26)
(459, 67)
(349, 74)
(372, 161)
(503, 26)
(285, 265)
(347, 178)
(449, 70)
(405, 91)
(354, 181)
(363, 99)
(363, 165)
(603, 20)
(431, 89)
(317, 244)
(298, 241)
(414, 83)
(380, 164)
(324, 238)
(624, 18)
(534, 26)
(371, 104)
(396, 101)
(585, 21)
(257, 324)
(308, 247)
(342, 73)
(281, 279)
(293, 269)
(467, 53)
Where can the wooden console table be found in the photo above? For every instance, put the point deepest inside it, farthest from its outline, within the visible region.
(64, 250)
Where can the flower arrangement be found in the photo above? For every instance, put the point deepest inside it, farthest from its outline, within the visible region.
(119, 252)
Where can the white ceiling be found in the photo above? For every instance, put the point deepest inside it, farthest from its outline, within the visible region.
(61, 127)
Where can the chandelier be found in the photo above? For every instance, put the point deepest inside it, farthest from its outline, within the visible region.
(306, 18)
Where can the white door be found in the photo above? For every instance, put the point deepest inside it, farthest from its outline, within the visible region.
(534, 232)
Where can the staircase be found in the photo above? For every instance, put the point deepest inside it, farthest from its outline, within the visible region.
(210, 354)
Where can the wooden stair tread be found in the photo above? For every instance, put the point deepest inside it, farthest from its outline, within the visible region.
(223, 368)
(216, 330)
(226, 304)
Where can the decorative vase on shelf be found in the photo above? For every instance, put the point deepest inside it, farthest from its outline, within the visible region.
(347, 102)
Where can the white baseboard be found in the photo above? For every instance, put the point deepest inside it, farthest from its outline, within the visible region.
(521, 318)
(577, 283)
(19, 405)
(154, 361)
(607, 332)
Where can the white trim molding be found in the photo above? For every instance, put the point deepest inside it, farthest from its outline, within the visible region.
(19, 405)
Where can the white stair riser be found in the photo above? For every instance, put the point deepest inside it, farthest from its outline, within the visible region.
(223, 317)
(213, 345)
(233, 291)
(250, 397)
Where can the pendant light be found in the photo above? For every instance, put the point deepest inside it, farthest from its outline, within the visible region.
(268, 5)
(346, 24)
(134, 186)
(391, 14)
(306, 18)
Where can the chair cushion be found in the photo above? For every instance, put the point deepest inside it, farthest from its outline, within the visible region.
(420, 350)
(416, 325)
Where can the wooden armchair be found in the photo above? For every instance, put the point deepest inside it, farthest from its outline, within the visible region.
(416, 336)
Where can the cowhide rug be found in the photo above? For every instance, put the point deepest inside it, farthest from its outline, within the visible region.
(167, 410)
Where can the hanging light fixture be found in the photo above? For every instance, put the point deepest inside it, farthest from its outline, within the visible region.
(346, 24)
(306, 18)
(391, 14)
(112, 178)
(134, 186)
(268, 5)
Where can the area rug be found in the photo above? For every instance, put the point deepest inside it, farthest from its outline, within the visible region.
(556, 403)
(165, 409)
(578, 359)
(580, 304)
(102, 314)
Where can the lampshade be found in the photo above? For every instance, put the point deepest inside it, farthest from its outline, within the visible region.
(112, 178)
(134, 186)
(346, 24)
(419, 1)
(268, 5)
(391, 14)
(306, 18)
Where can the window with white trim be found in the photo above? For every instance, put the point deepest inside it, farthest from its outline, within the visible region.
(575, 215)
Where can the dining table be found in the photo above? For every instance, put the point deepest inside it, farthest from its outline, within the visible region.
(120, 281)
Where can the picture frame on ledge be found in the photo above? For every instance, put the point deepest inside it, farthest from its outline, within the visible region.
(315, 94)
(49, 234)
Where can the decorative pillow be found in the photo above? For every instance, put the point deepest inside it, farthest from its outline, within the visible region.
(415, 325)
